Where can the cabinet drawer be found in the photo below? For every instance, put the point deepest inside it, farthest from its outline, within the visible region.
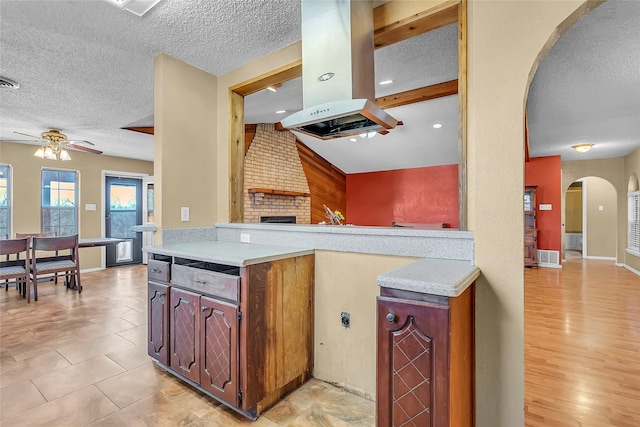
(217, 284)
(158, 270)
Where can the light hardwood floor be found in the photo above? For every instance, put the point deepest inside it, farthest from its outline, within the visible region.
(582, 345)
(77, 360)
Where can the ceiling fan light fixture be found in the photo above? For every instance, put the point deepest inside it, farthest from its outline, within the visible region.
(582, 148)
(49, 154)
(64, 155)
(39, 153)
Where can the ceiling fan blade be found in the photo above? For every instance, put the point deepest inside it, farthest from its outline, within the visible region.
(19, 141)
(80, 142)
(30, 136)
(81, 148)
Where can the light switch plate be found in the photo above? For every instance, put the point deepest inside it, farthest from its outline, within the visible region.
(545, 207)
(600, 208)
(245, 238)
(184, 214)
(90, 207)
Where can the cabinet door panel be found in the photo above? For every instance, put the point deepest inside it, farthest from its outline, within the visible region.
(158, 308)
(413, 346)
(185, 332)
(219, 349)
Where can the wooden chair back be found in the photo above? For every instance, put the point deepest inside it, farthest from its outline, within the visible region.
(66, 261)
(15, 270)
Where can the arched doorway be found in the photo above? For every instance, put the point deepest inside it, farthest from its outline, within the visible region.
(590, 219)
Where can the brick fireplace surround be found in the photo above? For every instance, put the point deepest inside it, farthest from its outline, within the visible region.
(272, 162)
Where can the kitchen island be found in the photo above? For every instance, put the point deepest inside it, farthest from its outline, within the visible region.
(359, 271)
(233, 320)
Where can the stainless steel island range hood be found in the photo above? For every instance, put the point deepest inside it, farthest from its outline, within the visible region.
(338, 71)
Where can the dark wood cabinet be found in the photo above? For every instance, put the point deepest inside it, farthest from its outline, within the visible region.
(158, 322)
(425, 360)
(185, 334)
(530, 228)
(243, 335)
(219, 348)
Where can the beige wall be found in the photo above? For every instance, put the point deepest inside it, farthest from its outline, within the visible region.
(507, 39)
(26, 190)
(631, 166)
(347, 282)
(573, 210)
(185, 144)
(601, 227)
(611, 170)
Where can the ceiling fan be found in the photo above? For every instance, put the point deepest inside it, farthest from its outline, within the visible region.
(55, 144)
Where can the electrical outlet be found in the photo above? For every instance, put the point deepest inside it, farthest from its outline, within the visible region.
(345, 319)
(184, 214)
(245, 238)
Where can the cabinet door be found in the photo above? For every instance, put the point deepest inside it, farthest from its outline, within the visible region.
(219, 349)
(158, 322)
(185, 333)
(412, 365)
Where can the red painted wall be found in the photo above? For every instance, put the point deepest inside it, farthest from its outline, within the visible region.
(424, 195)
(546, 173)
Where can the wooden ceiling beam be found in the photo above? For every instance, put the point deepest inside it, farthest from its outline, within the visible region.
(418, 95)
(142, 129)
(396, 21)
(278, 76)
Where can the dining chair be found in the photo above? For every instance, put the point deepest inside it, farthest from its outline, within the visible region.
(45, 234)
(65, 263)
(14, 269)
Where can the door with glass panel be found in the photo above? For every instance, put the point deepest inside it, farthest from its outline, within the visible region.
(123, 210)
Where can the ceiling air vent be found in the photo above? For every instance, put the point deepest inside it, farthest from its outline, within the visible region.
(6, 83)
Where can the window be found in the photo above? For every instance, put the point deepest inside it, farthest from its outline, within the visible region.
(59, 201)
(633, 217)
(5, 201)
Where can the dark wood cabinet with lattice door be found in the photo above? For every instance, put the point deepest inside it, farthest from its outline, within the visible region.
(204, 342)
(223, 338)
(530, 228)
(425, 362)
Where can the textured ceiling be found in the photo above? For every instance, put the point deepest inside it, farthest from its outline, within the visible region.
(87, 68)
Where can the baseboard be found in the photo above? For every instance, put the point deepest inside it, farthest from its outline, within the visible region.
(546, 265)
(91, 270)
(606, 258)
(631, 269)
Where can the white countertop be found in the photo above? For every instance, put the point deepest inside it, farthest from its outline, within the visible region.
(449, 278)
(229, 253)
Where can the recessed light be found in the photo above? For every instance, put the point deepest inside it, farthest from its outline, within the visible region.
(386, 82)
(353, 139)
(281, 111)
(437, 125)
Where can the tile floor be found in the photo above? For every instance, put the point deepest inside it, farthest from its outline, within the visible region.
(77, 360)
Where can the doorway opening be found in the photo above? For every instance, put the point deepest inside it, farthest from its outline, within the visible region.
(123, 210)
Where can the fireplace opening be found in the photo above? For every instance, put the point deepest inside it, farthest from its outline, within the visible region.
(278, 219)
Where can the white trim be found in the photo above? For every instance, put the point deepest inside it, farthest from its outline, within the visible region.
(607, 258)
(92, 270)
(105, 173)
(631, 269)
(584, 218)
(541, 264)
(632, 252)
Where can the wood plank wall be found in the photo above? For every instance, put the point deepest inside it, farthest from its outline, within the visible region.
(327, 183)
